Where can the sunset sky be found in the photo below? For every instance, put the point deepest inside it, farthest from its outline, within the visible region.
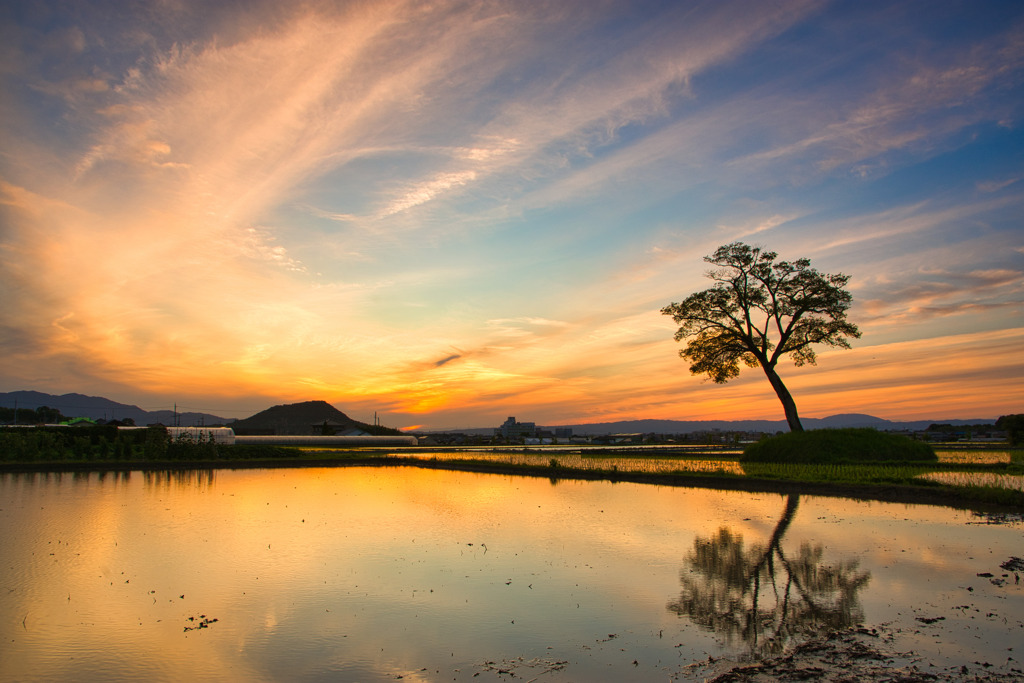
(450, 212)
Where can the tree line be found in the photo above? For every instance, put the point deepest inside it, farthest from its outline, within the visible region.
(31, 416)
(108, 444)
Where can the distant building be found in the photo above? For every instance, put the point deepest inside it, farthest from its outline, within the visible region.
(517, 430)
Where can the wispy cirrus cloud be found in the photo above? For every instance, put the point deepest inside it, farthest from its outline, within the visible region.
(932, 292)
(428, 190)
(853, 133)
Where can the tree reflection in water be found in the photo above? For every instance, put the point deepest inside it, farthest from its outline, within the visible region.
(763, 597)
(186, 478)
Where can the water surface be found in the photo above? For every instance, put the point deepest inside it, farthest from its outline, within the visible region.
(372, 574)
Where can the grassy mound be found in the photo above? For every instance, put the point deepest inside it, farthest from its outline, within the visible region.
(839, 446)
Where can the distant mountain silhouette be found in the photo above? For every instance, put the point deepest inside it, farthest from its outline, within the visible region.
(296, 418)
(303, 419)
(766, 426)
(98, 408)
(300, 418)
(761, 426)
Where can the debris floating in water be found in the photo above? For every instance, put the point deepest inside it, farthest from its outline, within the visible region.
(202, 621)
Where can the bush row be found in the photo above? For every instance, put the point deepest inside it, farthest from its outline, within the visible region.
(110, 444)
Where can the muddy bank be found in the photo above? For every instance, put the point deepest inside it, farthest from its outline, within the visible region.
(856, 654)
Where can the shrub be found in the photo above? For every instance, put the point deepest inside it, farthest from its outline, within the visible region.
(187, 447)
(1014, 426)
(839, 446)
(156, 444)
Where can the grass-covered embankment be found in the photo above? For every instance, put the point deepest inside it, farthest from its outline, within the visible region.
(865, 458)
(839, 446)
(888, 482)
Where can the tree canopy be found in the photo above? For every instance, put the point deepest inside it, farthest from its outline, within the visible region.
(759, 310)
(1014, 426)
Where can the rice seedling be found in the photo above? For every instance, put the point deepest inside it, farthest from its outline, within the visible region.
(973, 457)
(577, 461)
(976, 479)
(895, 473)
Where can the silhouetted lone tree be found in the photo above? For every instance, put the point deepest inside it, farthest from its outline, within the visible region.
(758, 311)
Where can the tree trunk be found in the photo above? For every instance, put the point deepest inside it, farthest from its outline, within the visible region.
(788, 404)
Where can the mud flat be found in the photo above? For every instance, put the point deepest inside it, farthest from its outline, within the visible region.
(857, 654)
(886, 652)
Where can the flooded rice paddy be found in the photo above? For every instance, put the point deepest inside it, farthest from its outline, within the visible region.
(701, 460)
(644, 460)
(1002, 481)
(381, 574)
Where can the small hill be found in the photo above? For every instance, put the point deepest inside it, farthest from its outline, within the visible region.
(851, 420)
(304, 419)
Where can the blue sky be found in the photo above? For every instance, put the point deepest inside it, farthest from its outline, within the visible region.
(452, 212)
